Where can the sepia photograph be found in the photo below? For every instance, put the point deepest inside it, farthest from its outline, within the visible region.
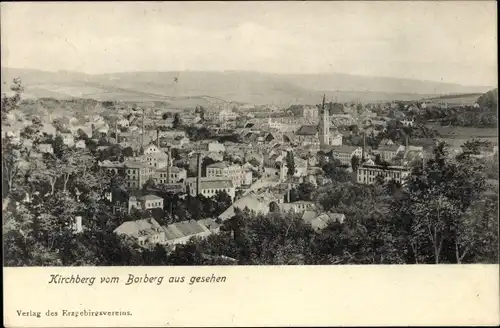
(249, 134)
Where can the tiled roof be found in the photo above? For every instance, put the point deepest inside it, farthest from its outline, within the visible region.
(388, 147)
(150, 197)
(216, 184)
(258, 203)
(139, 228)
(183, 229)
(209, 223)
(220, 165)
(344, 149)
(308, 216)
(134, 164)
(307, 130)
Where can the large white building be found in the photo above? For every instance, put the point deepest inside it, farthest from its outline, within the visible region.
(210, 186)
(155, 157)
(367, 174)
(345, 153)
(177, 175)
(226, 170)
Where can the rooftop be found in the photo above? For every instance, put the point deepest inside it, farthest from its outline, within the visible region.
(344, 149)
(150, 197)
(307, 130)
(139, 228)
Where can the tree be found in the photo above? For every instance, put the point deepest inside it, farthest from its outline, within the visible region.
(12, 162)
(206, 161)
(290, 163)
(305, 191)
(177, 121)
(434, 201)
(359, 108)
(150, 184)
(335, 172)
(222, 202)
(274, 207)
(58, 146)
(11, 103)
(355, 162)
(474, 146)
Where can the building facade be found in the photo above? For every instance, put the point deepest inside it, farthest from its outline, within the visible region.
(367, 174)
(345, 153)
(225, 170)
(209, 187)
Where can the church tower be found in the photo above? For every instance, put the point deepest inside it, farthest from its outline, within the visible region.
(324, 126)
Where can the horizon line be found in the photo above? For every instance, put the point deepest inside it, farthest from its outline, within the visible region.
(246, 71)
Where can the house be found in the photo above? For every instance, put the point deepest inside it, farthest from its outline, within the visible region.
(68, 139)
(45, 149)
(181, 232)
(247, 177)
(146, 202)
(367, 174)
(259, 203)
(226, 170)
(335, 139)
(298, 206)
(306, 111)
(319, 222)
(386, 142)
(216, 147)
(345, 153)
(145, 231)
(136, 173)
(408, 123)
(124, 123)
(389, 152)
(48, 129)
(210, 186)
(307, 135)
(176, 175)
(172, 134)
(80, 144)
(210, 224)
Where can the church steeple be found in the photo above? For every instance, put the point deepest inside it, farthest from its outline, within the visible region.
(324, 129)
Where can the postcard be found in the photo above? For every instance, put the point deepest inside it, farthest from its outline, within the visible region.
(319, 163)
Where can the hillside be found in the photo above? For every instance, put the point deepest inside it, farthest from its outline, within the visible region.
(456, 99)
(190, 88)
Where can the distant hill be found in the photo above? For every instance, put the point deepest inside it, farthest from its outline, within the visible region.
(456, 99)
(191, 88)
(489, 100)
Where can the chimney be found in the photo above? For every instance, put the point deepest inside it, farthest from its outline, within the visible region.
(116, 132)
(169, 163)
(364, 146)
(77, 226)
(158, 139)
(142, 135)
(198, 175)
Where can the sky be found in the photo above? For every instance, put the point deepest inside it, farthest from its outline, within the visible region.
(438, 41)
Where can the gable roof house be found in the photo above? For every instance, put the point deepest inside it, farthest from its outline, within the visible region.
(307, 135)
(145, 231)
(319, 221)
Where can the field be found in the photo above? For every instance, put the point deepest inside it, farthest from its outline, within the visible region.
(466, 99)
